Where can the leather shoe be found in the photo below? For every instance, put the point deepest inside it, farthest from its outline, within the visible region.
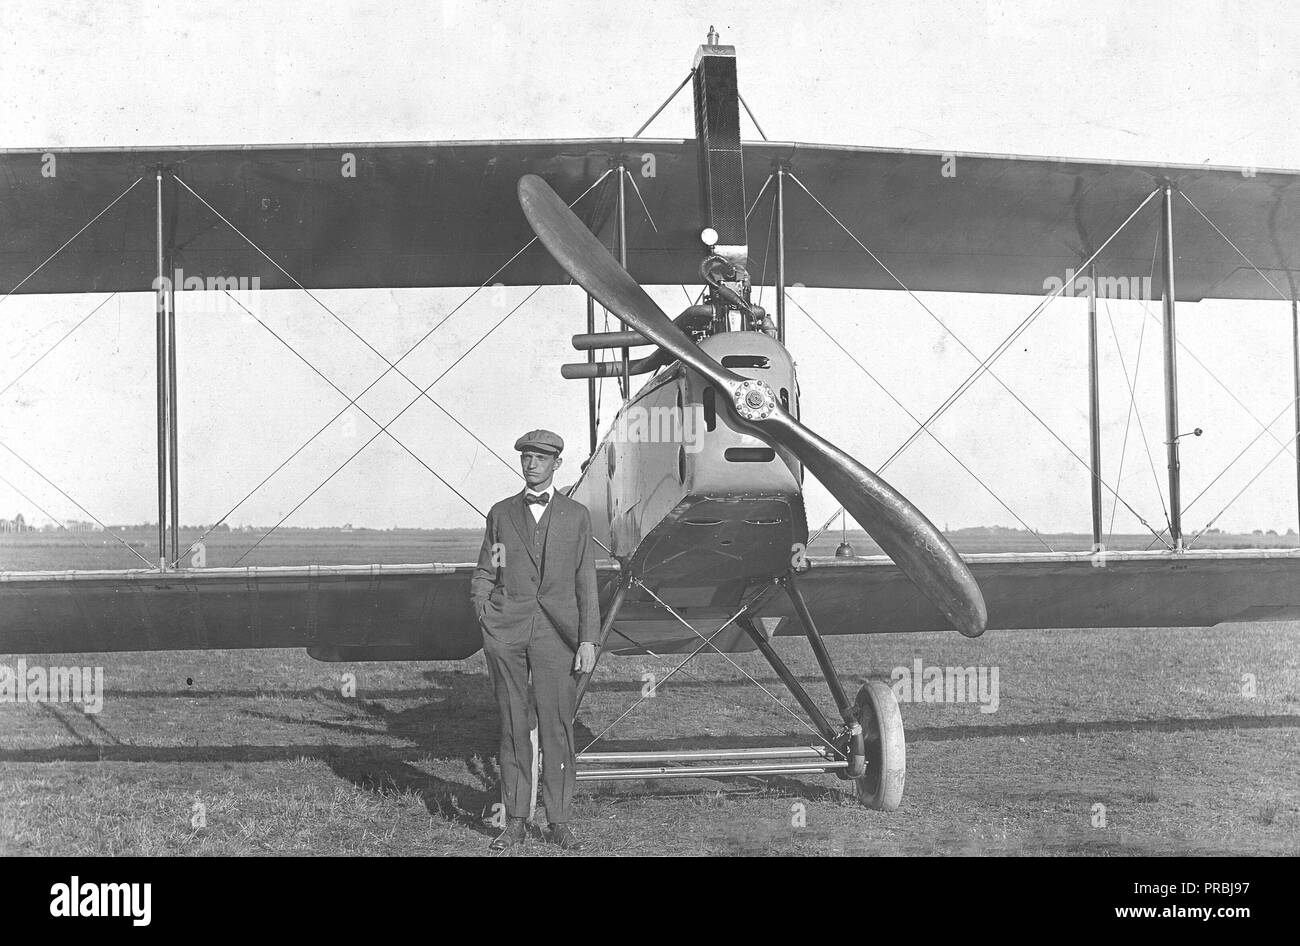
(562, 836)
(515, 832)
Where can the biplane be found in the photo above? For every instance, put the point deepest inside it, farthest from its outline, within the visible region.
(704, 529)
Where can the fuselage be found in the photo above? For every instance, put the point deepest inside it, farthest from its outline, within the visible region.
(698, 507)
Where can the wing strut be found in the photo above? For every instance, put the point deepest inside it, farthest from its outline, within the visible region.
(1171, 368)
(1295, 367)
(160, 350)
(1094, 410)
(779, 174)
(168, 461)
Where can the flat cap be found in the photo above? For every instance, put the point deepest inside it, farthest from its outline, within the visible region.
(544, 440)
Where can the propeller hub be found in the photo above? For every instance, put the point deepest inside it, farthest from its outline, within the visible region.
(754, 400)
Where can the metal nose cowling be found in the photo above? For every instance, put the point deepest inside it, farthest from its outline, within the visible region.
(907, 536)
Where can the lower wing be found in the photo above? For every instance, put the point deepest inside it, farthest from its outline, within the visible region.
(422, 612)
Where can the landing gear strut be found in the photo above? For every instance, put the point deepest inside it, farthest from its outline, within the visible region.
(872, 737)
(607, 625)
(868, 747)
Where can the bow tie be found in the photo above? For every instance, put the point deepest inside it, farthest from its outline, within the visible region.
(541, 500)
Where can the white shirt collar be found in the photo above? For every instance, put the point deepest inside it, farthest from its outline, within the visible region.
(535, 510)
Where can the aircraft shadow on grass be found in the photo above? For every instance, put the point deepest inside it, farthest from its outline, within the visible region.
(456, 720)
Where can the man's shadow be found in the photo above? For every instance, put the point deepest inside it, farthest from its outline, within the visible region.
(458, 721)
(454, 721)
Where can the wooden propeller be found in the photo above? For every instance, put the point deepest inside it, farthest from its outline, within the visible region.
(907, 536)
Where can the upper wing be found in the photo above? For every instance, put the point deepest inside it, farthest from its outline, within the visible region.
(1003, 223)
(445, 214)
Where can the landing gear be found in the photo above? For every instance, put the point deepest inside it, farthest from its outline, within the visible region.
(881, 785)
(872, 738)
(607, 625)
(867, 748)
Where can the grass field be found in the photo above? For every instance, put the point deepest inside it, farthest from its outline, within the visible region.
(1151, 724)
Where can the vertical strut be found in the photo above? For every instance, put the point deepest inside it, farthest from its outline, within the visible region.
(1171, 371)
(780, 253)
(1295, 358)
(1094, 409)
(160, 311)
(172, 449)
(591, 382)
(625, 381)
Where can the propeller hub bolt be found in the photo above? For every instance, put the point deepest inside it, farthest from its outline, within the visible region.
(754, 400)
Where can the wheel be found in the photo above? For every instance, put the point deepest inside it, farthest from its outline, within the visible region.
(881, 786)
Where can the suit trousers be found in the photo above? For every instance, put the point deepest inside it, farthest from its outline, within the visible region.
(555, 686)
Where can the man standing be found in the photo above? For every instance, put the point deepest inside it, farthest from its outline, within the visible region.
(534, 592)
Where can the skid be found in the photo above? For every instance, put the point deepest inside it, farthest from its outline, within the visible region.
(708, 763)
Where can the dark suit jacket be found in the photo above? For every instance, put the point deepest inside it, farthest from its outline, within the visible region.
(553, 567)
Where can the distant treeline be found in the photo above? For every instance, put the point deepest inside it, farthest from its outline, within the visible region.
(1004, 533)
(225, 527)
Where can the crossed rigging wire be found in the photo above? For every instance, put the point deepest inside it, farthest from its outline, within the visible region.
(384, 430)
(741, 614)
(107, 530)
(1133, 410)
(744, 612)
(933, 436)
(392, 365)
(1286, 445)
(1264, 428)
(68, 242)
(22, 374)
(771, 225)
(985, 364)
(46, 513)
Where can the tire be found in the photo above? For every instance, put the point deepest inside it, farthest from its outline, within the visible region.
(881, 786)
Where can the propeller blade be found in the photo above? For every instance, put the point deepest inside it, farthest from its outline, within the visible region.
(907, 536)
(902, 530)
(585, 258)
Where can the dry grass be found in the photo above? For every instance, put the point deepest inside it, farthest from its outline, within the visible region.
(1151, 724)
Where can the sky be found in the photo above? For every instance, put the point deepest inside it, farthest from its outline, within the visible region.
(1182, 82)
